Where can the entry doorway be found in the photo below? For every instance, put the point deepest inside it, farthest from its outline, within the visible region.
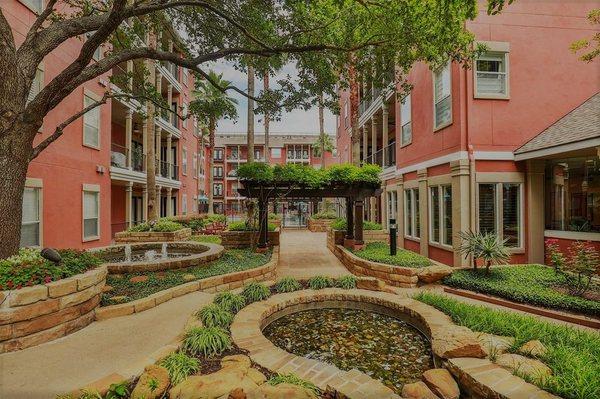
(295, 213)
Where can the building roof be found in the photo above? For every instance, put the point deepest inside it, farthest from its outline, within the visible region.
(276, 139)
(581, 124)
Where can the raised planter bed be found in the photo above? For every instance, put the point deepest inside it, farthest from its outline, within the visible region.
(245, 239)
(336, 237)
(319, 225)
(33, 315)
(153, 236)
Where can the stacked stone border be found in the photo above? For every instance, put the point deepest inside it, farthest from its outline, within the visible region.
(336, 237)
(447, 339)
(319, 225)
(205, 252)
(245, 239)
(127, 237)
(213, 284)
(33, 315)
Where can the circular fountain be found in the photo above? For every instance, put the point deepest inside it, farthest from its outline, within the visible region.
(157, 256)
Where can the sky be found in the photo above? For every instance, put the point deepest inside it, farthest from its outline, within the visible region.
(297, 121)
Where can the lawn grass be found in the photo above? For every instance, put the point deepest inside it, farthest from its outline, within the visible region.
(380, 252)
(529, 284)
(573, 354)
(233, 260)
(210, 238)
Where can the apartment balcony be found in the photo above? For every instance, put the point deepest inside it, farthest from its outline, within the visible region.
(374, 97)
(170, 72)
(169, 170)
(119, 167)
(378, 157)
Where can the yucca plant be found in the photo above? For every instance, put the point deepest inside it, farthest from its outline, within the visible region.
(470, 244)
(294, 380)
(207, 341)
(320, 282)
(214, 315)
(493, 250)
(230, 301)
(254, 292)
(179, 365)
(288, 284)
(346, 282)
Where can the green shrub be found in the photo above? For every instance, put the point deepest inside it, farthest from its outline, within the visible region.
(324, 215)
(288, 284)
(29, 268)
(340, 224)
(572, 354)
(179, 365)
(380, 252)
(255, 171)
(320, 282)
(531, 284)
(215, 218)
(214, 315)
(117, 390)
(230, 301)
(254, 292)
(210, 238)
(206, 341)
(274, 216)
(162, 225)
(242, 226)
(346, 282)
(294, 380)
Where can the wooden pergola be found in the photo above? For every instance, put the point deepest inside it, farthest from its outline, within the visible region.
(354, 195)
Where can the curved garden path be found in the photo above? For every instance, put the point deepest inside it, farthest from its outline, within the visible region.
(116, 345)
(305, 254)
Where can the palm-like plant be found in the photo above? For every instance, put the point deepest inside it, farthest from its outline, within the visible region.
(469, 245)
(211, 104)
(487, 247)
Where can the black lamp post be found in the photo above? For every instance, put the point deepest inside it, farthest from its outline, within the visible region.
(393, 237)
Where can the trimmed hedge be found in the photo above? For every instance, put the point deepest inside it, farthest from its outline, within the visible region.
(529, 284)
(380, 252)
(340, 224)
(242, 226)
(162, 225)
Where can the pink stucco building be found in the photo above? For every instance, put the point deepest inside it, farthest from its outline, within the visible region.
(91, 182)
(509, 146)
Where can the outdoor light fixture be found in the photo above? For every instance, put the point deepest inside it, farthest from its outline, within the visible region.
(393, 237)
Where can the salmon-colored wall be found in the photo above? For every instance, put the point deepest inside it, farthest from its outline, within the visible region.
(411, 245)
(441, 255)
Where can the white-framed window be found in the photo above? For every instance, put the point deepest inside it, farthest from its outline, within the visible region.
(412, 225)
(184, 203)
(406, 120)
(91, 123)
(98, 52)
(31, 219)
(34, 5)
(440, 215)
(218, 154)
(184, 161)
(346, 113)
(195, 204)
(500, 211)
(195, 165)
(91, 212)
(442, 97)
(491, 75)
(184, 114)
(217, 171)
(38, 83)
(218, 189)
(275, 152)
(392, 204)
(185, 76)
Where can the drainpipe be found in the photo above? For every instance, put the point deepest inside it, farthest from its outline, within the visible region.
(471, 152)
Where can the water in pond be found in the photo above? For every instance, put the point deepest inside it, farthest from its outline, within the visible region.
(131, 255)
(381, 346)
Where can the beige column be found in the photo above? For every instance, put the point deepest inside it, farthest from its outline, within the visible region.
(384, 208)
(461, 207)
(145, 204)
(423, 212)
(169, 156)
(128, 136)
(145, 139)
(535, 210)
(158, 201)
(128, 201)
(384, 132)
(172, 116)
(169, 204)
(158, 142)
(373, 139)
(400, 212)
(130, 72)
(365, 143)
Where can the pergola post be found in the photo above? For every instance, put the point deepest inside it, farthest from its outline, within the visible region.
(349, 218)
(263, 221)
(358, 222)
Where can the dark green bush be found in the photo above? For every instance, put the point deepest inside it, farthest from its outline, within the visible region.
(214, 315)
(380, 252)
(324, 215)
(179, 365)
(288, 284)
(162, 225)
(254, 292)
(531, 284)
(206, 341)
(340, 224)
(346, 282)
(230, 301)
(242, 226)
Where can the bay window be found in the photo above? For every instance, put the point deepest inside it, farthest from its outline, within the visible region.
(412, 227)
(500, 211)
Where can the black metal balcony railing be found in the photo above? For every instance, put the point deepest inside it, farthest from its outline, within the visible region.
(168, 170)
(138, 161)
(374, 92)
(377, 158)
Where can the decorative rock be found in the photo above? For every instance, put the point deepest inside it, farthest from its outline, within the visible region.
(280, 391)
(51, 254)
(139, 279)
(215, 385)
(434, 273)
(256, 376)
(189, 277)
(237, 393)
(441, 383)
(456, 341)
(236, 361)
(152, 374)
(119, 298)
(533, 348)
(494, 345)
(370, 283)
(524, 365)
(417, 390)
(107, 288)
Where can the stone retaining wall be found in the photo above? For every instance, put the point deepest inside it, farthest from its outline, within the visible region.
(213, 284)
(319, 225)
(245, 239)
(41, 313)
(153, 236)
(336, 237)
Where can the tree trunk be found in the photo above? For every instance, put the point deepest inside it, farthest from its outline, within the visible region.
(14, 161)
(250, 114)
(355, 151)
(211, 161)
(322, 137)
(266, 88)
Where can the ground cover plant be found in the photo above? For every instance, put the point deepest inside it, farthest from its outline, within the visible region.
(288, 284)
(572, 354)
(243, 226)
(215, 316)
(29, 268)
(162, 225)
(179, 366)
(320, 282)
(206, 341)
(294, 380)
(233, 260)
(255, 291)
(340, 224)
(324, 215)
(380, 252)
(530, 284)
(210, 238)
(230, 301)
(346, 282)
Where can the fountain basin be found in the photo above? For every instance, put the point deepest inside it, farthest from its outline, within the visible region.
(157, 256)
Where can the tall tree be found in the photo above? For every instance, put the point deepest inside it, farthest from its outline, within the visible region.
(316, 36)
(267, 118)
(250, 145)
(211, 105)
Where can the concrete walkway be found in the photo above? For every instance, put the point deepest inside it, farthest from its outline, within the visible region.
(304, 254)
(102, 348)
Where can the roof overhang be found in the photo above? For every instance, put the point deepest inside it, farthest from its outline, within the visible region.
(559, 149)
